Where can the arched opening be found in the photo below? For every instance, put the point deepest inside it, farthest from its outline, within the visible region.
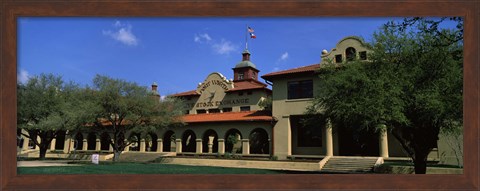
(259, 143)
(188, 141)
(169, 141)
(91, 141)
(134, 140)
(351, 53)
(105, 142)
(210, 137)
(78, 143)
(151, 142)
(60, 140)
(233, 143)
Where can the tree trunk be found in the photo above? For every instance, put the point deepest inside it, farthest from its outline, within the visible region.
(420, 164)
(43, 152)
(116, 155)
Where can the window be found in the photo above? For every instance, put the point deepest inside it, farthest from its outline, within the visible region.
(309, 133)
(254, 75)
(227, 109)
(300, 89)
(249, 93)
(200, 111)
(240, 76)
(338, 58)
(363, 55)
(214, 111)
(245, 108)
(187, 112)
(351, 53)
(240, 93)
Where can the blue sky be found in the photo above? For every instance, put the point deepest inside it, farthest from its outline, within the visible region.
(177, 53)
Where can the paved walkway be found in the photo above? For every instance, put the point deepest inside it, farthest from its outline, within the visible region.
(44, 163)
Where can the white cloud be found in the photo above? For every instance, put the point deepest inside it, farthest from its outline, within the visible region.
(23, 76)
(224, 47)
(284, 56)
(122, 33)
(202, 38)
(275, 69)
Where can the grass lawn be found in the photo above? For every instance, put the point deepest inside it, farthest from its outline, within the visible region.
(140, 168)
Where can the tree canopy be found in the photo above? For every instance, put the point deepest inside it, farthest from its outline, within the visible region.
(412, 85)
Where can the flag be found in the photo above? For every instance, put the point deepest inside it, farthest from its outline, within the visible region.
(250, 30)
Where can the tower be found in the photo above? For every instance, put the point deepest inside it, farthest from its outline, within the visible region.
(245, 70)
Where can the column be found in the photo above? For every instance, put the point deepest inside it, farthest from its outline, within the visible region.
(52, 144)
(221, 146)
(97, 145)
(72, 144)
(25, 143)
(110, 148)
(127, 148)
(142, 145)
(159, 145)
(210, 144)
(85, 144)
(199, 149)
(66, 145)
(178, 145)
(245, 146)
(38, 141)
(383, 142)
(328, 139)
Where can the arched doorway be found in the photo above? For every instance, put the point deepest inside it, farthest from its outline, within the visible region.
(60, 140)
(105, 142)
(169, 141)
(233, 143)
(259, 143)
(91, 141)
(210, 136)
(188, 141)
(78, 143)
(151, 142)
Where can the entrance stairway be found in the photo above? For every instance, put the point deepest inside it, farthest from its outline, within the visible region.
(350, 165)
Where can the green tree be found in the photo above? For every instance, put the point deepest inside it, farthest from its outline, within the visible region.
(120, 107)
(46, 107)
(412, 87)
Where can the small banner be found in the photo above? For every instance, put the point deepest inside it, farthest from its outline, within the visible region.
(95, 158)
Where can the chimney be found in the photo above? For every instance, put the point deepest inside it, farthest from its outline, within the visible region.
(246, 55)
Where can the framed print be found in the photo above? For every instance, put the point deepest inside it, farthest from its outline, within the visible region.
(13, 11)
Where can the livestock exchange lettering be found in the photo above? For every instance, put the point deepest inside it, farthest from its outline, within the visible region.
(224, 102)
(214, 82)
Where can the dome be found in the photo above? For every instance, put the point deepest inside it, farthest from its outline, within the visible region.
(244, 64)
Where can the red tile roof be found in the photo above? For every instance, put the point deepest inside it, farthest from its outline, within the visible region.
(189, 93)
(247, 85)
(228, 117)
(237, 86)
(309, 68)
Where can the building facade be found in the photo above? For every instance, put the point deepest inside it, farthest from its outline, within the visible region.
(243, 116)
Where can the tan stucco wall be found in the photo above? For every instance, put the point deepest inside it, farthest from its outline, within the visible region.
(341, 47)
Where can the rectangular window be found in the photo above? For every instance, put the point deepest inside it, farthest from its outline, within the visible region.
(187, 112)
(214, 111)
(249, 93)
(363, 55)
(240, 93)
(309, 133)
(200, 111)
(227, 109)
(245, 108)
(300, 89)
(240, 76)
(338, 58)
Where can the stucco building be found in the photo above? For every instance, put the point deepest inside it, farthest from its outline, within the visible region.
(236, 116)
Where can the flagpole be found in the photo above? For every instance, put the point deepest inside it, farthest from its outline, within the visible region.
(246, 37)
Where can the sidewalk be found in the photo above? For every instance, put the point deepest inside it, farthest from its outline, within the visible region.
(44, 163)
